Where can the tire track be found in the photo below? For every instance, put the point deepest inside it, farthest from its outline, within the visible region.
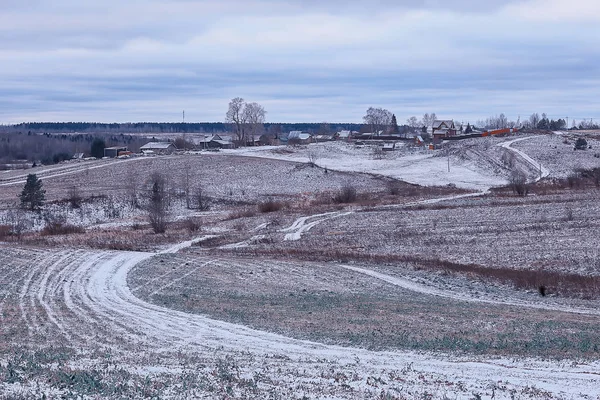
(96, 302)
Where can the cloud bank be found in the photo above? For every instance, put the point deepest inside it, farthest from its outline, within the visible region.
(118, 61)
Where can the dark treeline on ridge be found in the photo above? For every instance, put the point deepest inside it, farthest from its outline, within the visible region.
(165, 127)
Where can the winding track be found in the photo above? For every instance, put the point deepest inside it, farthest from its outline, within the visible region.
(83, 296)
(544, 172)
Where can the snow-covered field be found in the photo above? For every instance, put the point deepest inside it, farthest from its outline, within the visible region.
(410, 164)
(302, 302)
(128, 347)
(556, 153)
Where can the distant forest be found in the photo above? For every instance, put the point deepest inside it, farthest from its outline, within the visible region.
(51, 148)
(52, 142)
(167, 127)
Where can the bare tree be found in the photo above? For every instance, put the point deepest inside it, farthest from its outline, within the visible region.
(518, 182)
(413, 123)
(254, 116)
(200, 200)
(74, 197)
(313, 155)
(132, 187)
(19, 222)
(534, 120)
(378, 119)
(429, 119)
(186, 184)
(235, 116)
(247, 119)
(158, 203)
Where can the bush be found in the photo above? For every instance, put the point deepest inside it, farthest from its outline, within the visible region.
(5, 231)
(60, 228)
(243, 213)
(57, 225)
(58, 157)
(347, 194)
(74, 197)
(270, 206)
(581, 144)
(394, 188)
(575, 180)
(193, 224)
(518, 183)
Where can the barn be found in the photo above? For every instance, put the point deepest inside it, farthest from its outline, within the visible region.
(113, 152)
(158, 148)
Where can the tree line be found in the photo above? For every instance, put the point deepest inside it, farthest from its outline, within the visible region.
(49, 148)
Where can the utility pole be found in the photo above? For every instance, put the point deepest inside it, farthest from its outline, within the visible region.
(567, 123)
(184, 116)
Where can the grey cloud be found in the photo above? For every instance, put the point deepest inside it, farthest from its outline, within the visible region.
(130, 60)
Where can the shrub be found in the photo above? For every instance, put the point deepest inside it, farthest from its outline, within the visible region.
(243, 213)
(581, 144)
(575, 180)
(347, 194)
(199, 200)
(518, 183)
(193, 224)
(158, 205)
(394, 188)
(270, 206)
(60, 228)
(596, 176)
(5, 231)
(74, 197)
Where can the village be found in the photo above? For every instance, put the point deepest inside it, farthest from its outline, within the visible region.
(431, 138)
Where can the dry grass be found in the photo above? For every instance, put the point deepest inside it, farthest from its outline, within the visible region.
(246, 212)
(562, 284)
(60, 228)
(270, 206)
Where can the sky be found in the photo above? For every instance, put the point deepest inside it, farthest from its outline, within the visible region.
(303, 60)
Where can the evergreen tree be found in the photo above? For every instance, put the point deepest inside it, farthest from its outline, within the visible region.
(32, 196)
(97, 149)
(469, 129)
(395, 128)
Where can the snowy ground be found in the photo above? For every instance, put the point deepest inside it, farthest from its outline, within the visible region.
(225, 320)
(410, 164)
(81, 299)
(556, 153)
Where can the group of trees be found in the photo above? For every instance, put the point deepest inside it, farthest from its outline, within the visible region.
(382, 120)
(379, 119)
(156, 198)
(537, 122)
(246, 120)
(51, 148)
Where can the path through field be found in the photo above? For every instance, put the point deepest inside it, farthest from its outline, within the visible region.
(544, 172)
(83, 296)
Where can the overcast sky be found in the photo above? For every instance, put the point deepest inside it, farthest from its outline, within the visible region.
(304, 61)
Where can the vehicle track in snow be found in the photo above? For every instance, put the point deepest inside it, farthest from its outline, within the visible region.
(544, 172)
(83, 296)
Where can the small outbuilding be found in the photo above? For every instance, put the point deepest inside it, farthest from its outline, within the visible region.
(113, 152)
(158, 148)
(299, 137)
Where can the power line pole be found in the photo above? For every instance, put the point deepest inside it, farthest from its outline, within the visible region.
(184, 116)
